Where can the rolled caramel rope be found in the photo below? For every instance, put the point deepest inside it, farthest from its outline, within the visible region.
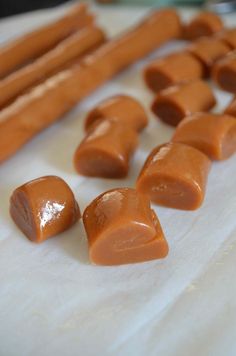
(70, 49)
(33, 44)
(47, 103)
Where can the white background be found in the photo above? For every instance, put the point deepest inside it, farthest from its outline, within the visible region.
(54, 302)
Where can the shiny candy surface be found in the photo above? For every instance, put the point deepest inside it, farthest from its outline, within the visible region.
(175, 175)
(121, 228)
(43, 208)
(213, 134)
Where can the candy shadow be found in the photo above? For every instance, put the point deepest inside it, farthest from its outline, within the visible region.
(5, 194)
(74, 243)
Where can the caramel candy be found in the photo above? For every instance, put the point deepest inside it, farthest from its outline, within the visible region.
(123, 107)
(224, 73)
(208, 51)
(122, 228)
(106, 150)
(173, 69)
(173, 104)
(204, 24)
(214, 135)
(43, 208)
(231, 108)
(175, 175)
(229, 37)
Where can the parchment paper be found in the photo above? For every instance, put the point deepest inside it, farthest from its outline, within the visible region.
(54, 302)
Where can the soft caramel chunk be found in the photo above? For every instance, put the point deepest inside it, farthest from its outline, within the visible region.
(208, 51)
(203, 24)
(174, 69)
(43, 208)
(229, 37)
(231, 108)
(121, 228)
(214, 135)
(106, 150)
(123, 107)
(173, 104)
(224, 73)
(175, 175)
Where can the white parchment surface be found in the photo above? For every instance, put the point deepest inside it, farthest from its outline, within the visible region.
(54, 302)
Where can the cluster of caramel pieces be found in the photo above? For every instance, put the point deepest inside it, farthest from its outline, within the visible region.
(121, 226)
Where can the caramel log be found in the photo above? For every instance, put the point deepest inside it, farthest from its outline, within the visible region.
(71, 48)
(208, 51)
(175, 175)
(173, 104)
(34, 44)
(121, 228)
(106, 150)
(224, 73)
(204, 24)
(231, 108)
(173, 69)
(123, 107)
(214, 135)
(43, 208)
(47, 103)
(229, 37)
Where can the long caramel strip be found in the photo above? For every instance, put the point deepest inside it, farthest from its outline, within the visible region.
(33, 44)
(47, 102)
(70, 49)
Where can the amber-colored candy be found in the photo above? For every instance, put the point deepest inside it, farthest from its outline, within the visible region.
(231, 108)
(174, 69)
(123, 107)
(203, 24)
(208, 51)
(173, 104)
(175, 175)
(224, 73)
(43, 208)
(31, 45)
(214, 135)
(122, 228)
(49, 101)
(65, 54)
(106, 150)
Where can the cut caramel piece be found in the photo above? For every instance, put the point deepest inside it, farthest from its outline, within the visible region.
(175, 175)
(208, 51)
(121, 228)
(43, 208)
(173, 104)
(123, 107)
(106, 150)
(203, 24)
(214, 135)
(174, 69)
(224, 73)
